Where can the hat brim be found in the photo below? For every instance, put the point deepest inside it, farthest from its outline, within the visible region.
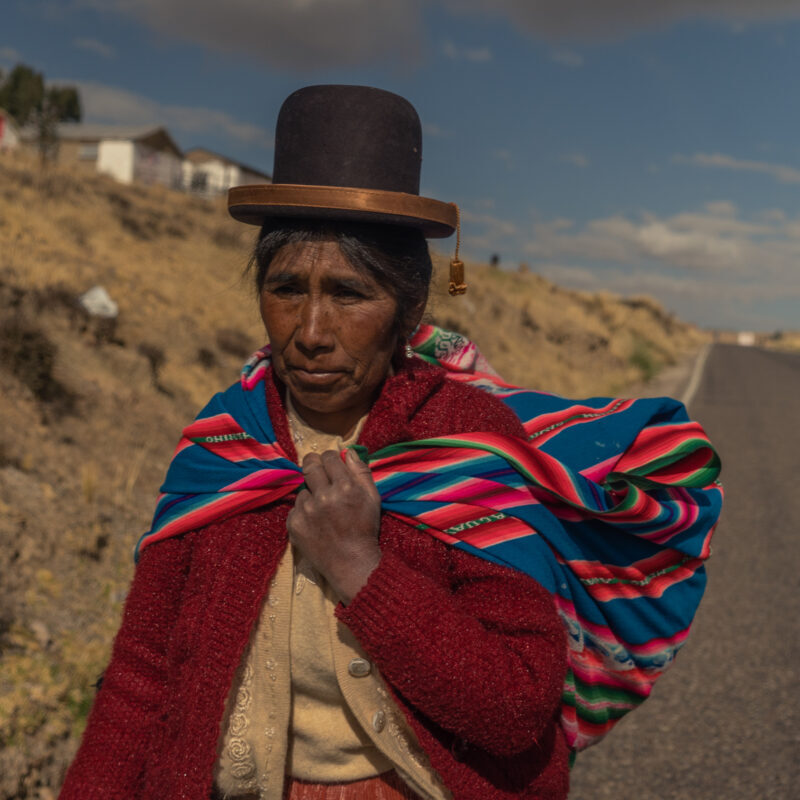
(254, 204)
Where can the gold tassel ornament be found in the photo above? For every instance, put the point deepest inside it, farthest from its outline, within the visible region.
(457, 285)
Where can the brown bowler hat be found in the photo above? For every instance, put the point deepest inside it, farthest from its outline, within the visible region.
(346, 153)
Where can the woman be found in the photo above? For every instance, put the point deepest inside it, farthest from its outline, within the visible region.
(346, 631)
(405, 667)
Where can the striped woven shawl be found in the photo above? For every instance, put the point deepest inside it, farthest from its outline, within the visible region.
(609, 504)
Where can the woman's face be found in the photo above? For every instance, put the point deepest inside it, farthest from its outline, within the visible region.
(332, 332)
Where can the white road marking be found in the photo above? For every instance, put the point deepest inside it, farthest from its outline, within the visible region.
(697, 374)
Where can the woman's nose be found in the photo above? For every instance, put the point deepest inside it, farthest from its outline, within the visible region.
(314, 330)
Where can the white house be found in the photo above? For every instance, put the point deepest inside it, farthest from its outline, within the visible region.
(145, 154)
(210, 174)
(9, 131)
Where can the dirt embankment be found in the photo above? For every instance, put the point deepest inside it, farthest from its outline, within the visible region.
(91, 411)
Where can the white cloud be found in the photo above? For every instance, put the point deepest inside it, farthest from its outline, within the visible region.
(721, 208)
(711, 265)
(716, 223)
(614, 19)
(482, 233)
(569, 58)
(436, 131)
(296, 34)
(701, 299)
(477, 55)
(781, 172)
(95, 46)
(686, 248)
(504, 155)
(773, 215)
(500, 226)
(109, 104)
(712, 240)
(576, 159)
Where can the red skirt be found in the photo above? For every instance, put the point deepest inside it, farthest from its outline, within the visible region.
(389, 786)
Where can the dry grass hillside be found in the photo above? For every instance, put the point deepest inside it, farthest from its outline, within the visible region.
(90, 412)
(574, 343)
(788, 341)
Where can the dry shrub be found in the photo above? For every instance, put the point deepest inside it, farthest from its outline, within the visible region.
(104, 330)
(643, 358)
(206, 358)
(234, 342)
(449, 323)
(595, 342)
(6, 459)
(175, 231)
(147, 222)
(56, 296)
(155, 359)
(30, 356)
(226, 237)
(77, 229)
(559, 335)
(56, 184)
(140, 226)
(19, 176)
(95, 552)
(6, 622)
(788, 341)
(528, 322)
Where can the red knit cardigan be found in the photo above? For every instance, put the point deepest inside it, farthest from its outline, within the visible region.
(473, 653)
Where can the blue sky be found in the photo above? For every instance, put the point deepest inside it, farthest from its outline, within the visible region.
(644, 148)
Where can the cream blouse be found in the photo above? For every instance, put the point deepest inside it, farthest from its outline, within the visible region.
(306, 700)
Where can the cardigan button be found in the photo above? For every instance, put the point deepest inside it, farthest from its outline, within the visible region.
(379, 721)
(359, 668)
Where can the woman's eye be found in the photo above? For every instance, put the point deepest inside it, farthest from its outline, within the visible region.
(286, 290)
(347, 293)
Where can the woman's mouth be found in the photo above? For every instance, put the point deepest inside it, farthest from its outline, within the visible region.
(316, 377)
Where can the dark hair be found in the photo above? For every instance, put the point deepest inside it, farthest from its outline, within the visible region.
(396, 257)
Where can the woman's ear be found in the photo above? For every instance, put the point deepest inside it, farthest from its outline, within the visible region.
(413, 318)
(404, 333)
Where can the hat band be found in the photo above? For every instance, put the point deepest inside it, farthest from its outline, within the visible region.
(344, 198)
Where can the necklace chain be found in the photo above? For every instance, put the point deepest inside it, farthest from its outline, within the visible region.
(299, 439)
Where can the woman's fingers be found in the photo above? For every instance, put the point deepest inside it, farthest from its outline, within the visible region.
(334, 466)
(336, 519)
(337, 487)
(360, 471)
(314, 472)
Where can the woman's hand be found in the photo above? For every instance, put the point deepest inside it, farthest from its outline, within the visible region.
(336, 519)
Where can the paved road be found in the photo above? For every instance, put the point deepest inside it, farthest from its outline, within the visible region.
(724, 722)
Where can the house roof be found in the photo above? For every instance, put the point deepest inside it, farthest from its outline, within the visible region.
(154, 135)
(199, 155)
(80, 131)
